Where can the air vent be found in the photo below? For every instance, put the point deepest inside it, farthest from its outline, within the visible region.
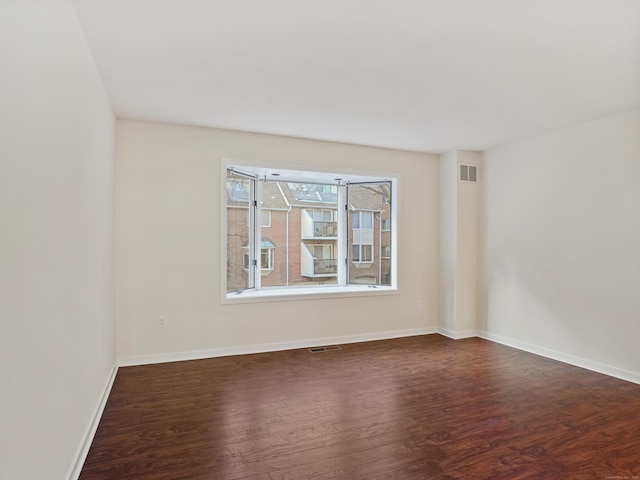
(330, 348)
(468, 173)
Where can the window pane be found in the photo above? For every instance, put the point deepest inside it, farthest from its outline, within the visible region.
(265, 258)
(302, 239)
(367, 220)
(239, 190)
(313, 193)
(369, 233)
(265, 218)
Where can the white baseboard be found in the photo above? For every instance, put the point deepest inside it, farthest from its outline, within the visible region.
(83, 450)
(270, 347)
(457, 335)
(563, 357)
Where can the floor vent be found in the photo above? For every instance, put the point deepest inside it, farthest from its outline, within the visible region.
(330, 348)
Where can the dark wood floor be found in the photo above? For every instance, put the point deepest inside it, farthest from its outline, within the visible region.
(414, 408)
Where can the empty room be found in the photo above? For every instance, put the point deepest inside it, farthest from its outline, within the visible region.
(358, 239)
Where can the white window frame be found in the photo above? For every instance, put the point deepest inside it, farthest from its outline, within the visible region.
(385, 252)
(343, 288)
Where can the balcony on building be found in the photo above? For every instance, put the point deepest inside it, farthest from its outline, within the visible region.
(311, 229)
(320, 265)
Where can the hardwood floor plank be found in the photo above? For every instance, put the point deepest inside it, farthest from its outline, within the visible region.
(424, 407)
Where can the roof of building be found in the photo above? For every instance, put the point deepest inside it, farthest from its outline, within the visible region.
(280, 195)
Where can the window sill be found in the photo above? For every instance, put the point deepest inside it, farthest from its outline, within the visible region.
(308, 293)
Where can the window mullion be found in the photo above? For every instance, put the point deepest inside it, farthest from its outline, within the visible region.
(342, 253)
(257, 234)
(252, 221)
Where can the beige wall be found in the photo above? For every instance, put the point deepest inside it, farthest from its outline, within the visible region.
(459, 202)
(56, 239)
(467, 247)
(448, 231)
(561, 244)
(168, 245)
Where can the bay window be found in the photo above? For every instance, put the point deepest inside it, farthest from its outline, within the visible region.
(324, 230)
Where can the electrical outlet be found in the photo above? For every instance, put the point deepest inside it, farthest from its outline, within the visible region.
(161, 323)
(420, 304)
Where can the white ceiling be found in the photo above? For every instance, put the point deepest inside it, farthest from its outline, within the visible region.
(425, 75)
